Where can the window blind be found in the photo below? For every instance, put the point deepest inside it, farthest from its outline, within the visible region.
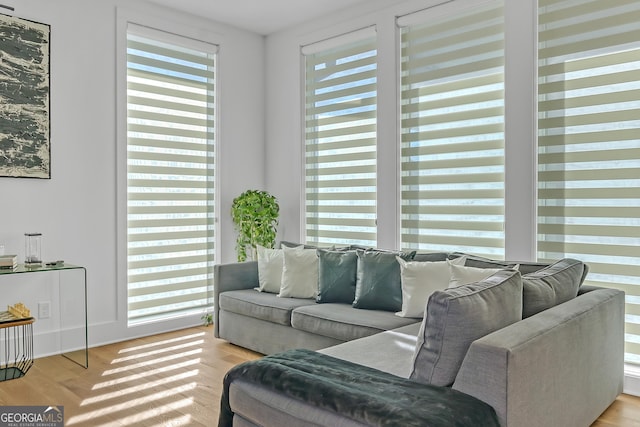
(340, 142)
(589, 145)
(452, 131)
(170, 172)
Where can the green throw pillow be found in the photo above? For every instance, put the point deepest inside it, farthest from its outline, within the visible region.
(336, 276)
(378, 285)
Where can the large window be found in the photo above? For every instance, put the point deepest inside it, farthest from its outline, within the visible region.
(452, 129)
(340, 140)
(589, 144)
(170, 174)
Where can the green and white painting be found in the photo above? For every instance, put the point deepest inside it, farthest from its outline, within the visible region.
(25, 149)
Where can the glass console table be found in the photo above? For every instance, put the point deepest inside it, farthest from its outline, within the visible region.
(73, 334)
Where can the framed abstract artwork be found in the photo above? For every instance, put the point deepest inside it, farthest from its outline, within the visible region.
(25, 128)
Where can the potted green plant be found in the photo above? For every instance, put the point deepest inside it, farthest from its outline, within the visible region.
(255, 215)
(207, 319)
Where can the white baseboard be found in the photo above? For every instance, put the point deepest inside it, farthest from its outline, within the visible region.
(631, 380)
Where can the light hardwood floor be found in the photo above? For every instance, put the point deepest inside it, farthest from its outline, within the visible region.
(172, 379)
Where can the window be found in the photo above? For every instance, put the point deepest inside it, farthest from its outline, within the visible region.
(340, 140)
(452, 130)
(589, 145)
(170, 174)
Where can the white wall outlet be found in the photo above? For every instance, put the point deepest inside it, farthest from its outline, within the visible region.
(44, 310)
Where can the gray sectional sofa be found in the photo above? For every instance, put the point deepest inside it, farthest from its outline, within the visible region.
(562, 366)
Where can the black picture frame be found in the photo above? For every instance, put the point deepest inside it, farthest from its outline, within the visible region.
(25, 98)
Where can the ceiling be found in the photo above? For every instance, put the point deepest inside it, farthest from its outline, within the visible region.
(259, 16)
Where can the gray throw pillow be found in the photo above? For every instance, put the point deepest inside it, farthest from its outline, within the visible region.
(458, 316)
(552, 285)
(287, 244)
(336, 276)
(378, 285)
(430, 256)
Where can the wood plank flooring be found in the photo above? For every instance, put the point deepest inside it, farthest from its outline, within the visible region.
(172, 379)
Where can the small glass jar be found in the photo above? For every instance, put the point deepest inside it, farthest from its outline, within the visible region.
(33, 249)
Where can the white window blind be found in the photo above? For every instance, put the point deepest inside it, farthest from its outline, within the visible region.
(171, 169)
(452, 130)
(340, 141)
(589, 144)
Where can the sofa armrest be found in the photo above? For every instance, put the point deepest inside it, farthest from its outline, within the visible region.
(231, 277)
(563, 366)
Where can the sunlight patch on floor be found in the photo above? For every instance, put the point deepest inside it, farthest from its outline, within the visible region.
(162, 343)
(151, 362)
(142, 375)
(142, 403)
(148, 384)
(138, 388)
(171, 349)
(174, 422)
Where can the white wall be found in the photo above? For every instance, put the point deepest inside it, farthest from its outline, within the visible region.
(76, 211)
(284, 120)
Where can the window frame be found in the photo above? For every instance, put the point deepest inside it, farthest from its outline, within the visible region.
(126, 15)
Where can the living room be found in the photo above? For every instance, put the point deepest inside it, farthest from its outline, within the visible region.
(81, 210)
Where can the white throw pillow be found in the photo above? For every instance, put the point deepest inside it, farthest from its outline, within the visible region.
(463, 275)
(419, 279)
(299, 273)
(270, 262)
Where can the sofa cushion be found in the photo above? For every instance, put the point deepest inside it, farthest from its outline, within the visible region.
(398, 345)
(463, 274)
(477, 261)
(526, 267)
(261, 305)
(552, 285)
(343, 322)
(458, 316)
(337, 276)
(287, 244)
(299, 273)
(378, 280)
(419, 279)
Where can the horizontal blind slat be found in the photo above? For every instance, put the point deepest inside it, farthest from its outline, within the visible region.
(371, 196)
(170, 302)
(420, 211)
(169, 170)
(163, 275)
(164, 262)
(163, 104)
(168, 248)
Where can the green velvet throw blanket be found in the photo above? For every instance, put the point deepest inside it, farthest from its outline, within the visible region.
(363, 394)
